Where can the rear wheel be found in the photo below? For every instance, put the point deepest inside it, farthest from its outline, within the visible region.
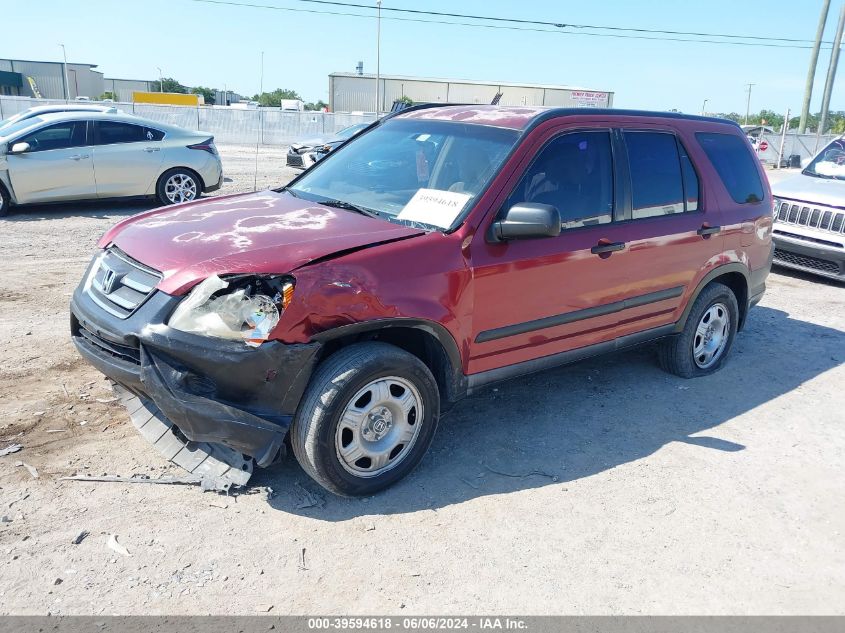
(707, 337)
(178, 185)
(366, 420)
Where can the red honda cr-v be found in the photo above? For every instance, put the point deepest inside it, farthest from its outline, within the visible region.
(441, 250)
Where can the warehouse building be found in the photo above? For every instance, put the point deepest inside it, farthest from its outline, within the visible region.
(46, 80)
(356, 92)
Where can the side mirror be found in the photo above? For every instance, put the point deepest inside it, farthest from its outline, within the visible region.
(19, 148)
(526, 220)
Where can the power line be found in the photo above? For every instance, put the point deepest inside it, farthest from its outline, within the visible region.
(757, 40)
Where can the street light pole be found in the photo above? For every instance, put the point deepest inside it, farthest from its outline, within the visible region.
(67, 83)
(160, 80)
(704, 107)
(378, 58)
(748, 103)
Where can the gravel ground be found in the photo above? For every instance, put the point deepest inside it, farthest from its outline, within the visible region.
(603, 487)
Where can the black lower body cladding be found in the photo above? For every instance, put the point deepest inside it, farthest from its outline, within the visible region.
(212, 390)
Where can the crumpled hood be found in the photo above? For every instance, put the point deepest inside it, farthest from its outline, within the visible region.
(264, 232)
(824, 191)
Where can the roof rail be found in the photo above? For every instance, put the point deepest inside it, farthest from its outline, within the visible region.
(421, 106)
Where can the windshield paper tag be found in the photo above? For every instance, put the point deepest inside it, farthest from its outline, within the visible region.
(433, 206)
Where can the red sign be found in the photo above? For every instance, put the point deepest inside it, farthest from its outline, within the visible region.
(763, 146)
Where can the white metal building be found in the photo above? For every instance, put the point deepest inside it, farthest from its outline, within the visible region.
(352, 92)
(46, 80)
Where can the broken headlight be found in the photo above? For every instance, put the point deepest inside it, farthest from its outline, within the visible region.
(242, 308)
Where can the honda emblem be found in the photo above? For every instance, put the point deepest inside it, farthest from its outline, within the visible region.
(109, 277)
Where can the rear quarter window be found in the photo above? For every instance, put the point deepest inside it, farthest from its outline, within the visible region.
(735, 165)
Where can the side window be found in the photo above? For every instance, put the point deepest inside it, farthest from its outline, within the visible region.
(573, 173)
(735, 165)
(657, 186)
(111, 132)
(58, 136)
(151, 134)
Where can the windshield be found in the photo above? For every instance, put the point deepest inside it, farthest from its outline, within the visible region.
(830, 163)
(12, 119)
(352, 130)
(411, 171)
(17, 126)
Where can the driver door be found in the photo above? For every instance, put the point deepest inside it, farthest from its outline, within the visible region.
(58, 165)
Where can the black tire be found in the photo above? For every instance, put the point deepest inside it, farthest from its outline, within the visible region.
(161, 194)
(676, 353)
(337, 380)
(5, 201)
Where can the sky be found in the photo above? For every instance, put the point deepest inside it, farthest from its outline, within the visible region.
(199, 43)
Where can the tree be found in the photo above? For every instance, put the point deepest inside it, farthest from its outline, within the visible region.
(108, 95)
(274, 99)
(168, 84)
(320, 105)
(208, 94)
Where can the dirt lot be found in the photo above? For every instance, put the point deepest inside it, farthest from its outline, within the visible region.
(603, 487)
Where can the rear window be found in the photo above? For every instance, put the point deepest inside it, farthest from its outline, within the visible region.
(735, 165)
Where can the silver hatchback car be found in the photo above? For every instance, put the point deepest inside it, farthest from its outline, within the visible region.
(85, 155)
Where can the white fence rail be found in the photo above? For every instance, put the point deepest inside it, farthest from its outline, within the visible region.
(228, 125)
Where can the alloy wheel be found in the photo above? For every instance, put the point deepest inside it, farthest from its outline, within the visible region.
(180, 188)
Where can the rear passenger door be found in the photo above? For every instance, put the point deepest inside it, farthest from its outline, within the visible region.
(673, 232)
(127, 158)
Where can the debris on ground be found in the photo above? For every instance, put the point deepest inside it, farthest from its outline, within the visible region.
(5, 519)
(106, 400)
(56, 431)
(80, 537)
(12, 448)
(117, 547)
(302, 566)
(307, 499)
(32, 470)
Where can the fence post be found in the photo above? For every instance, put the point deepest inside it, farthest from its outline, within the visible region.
(783, 138)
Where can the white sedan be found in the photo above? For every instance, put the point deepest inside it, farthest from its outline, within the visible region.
(92, 155)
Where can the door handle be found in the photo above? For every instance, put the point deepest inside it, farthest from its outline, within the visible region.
(706, 230)
(606, 247)
(78, 156)
(151, 149)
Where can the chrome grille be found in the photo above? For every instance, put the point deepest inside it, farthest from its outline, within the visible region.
(813, 217)
(119, 284)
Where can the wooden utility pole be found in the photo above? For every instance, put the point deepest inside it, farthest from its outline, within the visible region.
(811, 72)
(831, 70)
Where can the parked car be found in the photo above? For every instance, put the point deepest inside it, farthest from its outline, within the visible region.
(809, 210)
(304, 154)
(86, 155)
(52, 109)
(441, 251)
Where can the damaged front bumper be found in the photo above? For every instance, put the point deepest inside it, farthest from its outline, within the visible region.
(211, 390)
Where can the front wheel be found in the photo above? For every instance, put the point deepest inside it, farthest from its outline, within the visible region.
(366, 420)
(707, 337)
(5, 201)
(178, 185)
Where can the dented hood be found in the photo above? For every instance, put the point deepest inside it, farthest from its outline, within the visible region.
(264, 232)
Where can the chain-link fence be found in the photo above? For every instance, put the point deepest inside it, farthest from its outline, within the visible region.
(228, 125)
